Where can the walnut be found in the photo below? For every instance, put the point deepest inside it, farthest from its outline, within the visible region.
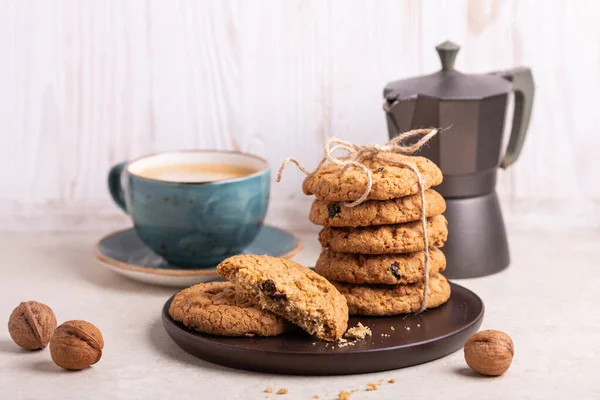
(31, 325)
(489, 352)
(76, 345)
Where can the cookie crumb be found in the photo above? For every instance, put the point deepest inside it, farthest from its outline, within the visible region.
(344, 343)
(343, 395)
(392, 381)
(316, 396)
(380, 382)
(282, 391)
(371, 386)
(358, 332)
(392, 328)
(269, 389)
(385, 335)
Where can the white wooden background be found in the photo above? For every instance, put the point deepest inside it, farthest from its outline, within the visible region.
(84, 84)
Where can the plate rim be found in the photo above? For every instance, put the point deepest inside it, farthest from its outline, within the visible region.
(104, 259)
(478, 319)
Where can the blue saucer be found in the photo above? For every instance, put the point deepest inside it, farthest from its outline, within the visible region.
(125, 253)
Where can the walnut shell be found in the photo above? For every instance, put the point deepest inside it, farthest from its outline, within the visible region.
(31, 325)
(489, 352)
(76, 345)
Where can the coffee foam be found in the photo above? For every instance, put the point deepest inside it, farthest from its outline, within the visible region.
(194, 173)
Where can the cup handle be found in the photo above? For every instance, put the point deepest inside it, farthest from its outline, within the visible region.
(114, 185)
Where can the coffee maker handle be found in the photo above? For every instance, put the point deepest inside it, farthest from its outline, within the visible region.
(524, 88)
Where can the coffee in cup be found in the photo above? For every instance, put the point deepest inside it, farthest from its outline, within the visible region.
(194, 208)
(195, 173)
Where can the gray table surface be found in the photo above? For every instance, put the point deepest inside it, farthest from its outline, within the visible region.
(546, 301)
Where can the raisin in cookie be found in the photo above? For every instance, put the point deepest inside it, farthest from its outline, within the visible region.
(385, 239)
(334, 183)
(377, 212)
(290, 290)
(389, 269)
(217, 309)
(392, 300)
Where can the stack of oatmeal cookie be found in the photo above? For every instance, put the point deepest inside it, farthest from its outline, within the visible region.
(373, 253)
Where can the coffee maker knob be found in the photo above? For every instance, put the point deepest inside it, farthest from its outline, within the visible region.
(447, 52)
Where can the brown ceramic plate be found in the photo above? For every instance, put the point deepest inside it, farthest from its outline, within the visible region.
(415, 339)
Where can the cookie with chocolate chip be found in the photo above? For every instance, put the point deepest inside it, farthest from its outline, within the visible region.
(333, 182)
(376, 212)
(388, 269)
(216, 308)
(380, 300)
(385, 239)
(291, 291)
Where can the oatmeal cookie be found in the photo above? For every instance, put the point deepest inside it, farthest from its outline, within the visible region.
(392, 300)
(389, 269)
(290, 290)
(333, 183)
(217, 309)
(377, 212)
(385, 239)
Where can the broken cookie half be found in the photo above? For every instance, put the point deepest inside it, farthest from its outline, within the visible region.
(291, 291)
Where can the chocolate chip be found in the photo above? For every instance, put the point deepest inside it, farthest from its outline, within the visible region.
(394, 270)
(334, 209)
(278, 296)
(380, 169)
(268, 286)
(270, 289)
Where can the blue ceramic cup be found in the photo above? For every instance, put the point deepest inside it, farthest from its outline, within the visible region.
(191, 220)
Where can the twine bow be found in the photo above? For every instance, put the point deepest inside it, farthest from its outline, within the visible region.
(354, 158)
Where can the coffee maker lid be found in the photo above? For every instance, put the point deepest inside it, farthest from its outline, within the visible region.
(447, 84)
